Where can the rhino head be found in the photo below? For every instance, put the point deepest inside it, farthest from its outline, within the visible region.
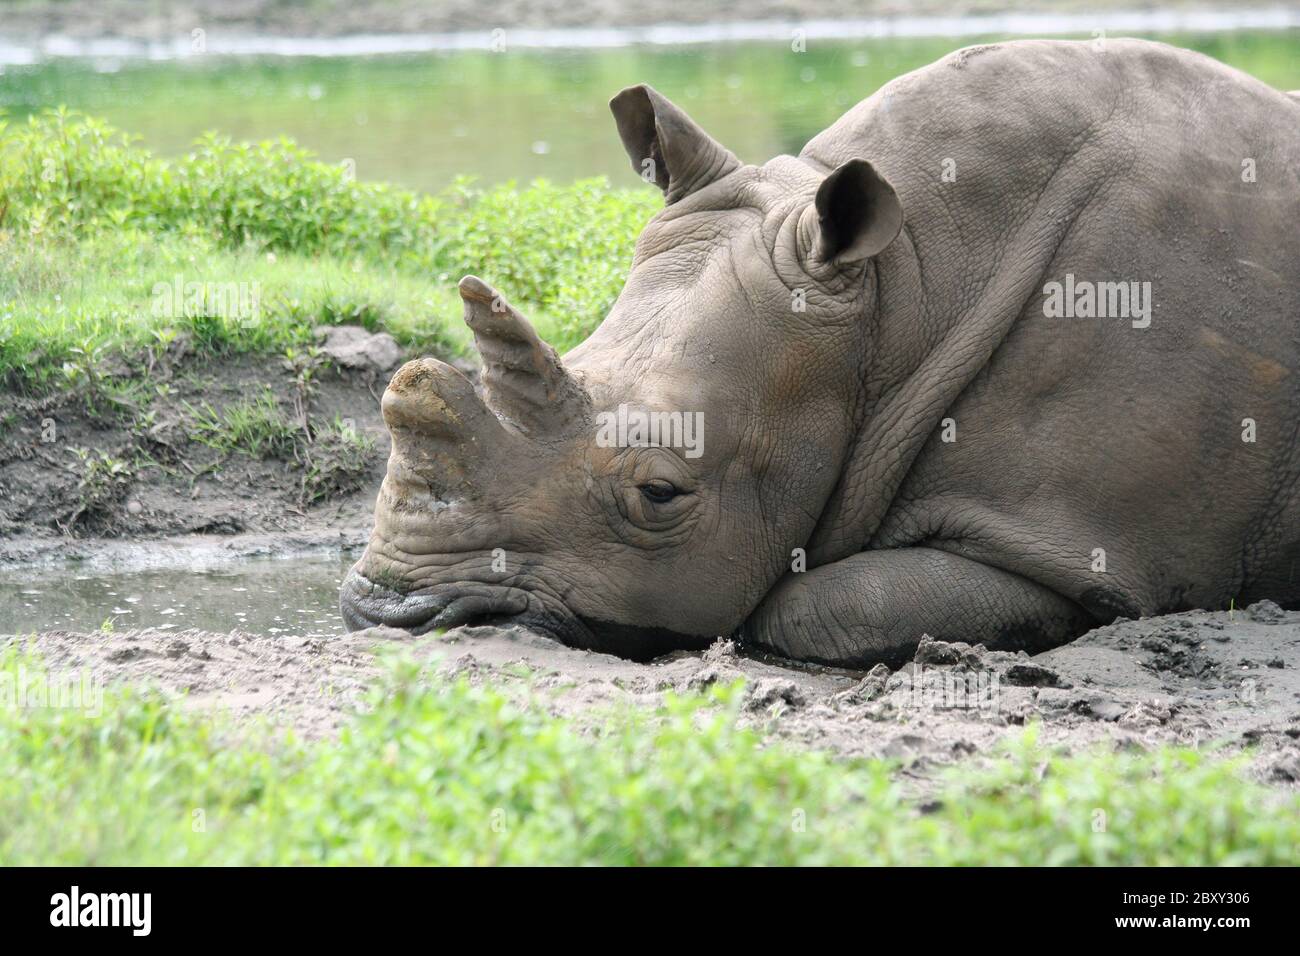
(551, 500)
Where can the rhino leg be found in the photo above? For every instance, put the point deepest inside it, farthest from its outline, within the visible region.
(874, 606)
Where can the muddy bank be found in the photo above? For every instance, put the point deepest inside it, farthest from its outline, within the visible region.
(240, 456)
(1221, 680)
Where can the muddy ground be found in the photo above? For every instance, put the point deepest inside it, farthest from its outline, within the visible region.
(146, 453)
(1200, 679)
(1221, 680)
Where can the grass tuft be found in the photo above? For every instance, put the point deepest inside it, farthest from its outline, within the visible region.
(257, 427)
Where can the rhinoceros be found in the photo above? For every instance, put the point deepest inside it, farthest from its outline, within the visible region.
(1007, 352)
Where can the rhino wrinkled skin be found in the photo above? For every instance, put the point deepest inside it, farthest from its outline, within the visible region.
(899, 436)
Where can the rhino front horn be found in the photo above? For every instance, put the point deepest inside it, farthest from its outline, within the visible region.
(442, 432)
(523, 378)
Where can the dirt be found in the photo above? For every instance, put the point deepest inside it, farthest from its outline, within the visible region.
(133, 456)
(1223, 680)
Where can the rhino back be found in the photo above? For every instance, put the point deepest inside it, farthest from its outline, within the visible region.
(1077, 435)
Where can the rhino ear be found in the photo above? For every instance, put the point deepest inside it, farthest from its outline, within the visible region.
(666, 146)
(855, 216)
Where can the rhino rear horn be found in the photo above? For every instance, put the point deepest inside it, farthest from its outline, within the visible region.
(524, 379)
(666, 146)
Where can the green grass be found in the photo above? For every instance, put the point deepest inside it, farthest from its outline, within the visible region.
(256, 426)
(96, 233)
(442, 772)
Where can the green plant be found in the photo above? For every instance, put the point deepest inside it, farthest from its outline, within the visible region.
(81, 373)
(94, 225)
(254, 426)
(103, 481)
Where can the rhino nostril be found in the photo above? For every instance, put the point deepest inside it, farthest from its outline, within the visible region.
(363, 603)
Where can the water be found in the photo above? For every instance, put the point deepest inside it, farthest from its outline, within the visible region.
(420, 119)
(279, 596)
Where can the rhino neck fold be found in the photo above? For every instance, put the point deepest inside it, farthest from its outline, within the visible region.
(909, 406)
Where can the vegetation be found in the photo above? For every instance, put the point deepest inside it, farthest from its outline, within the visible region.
(334, 462)
(105, 249)
(439, 771)
(255, 426)
(103, 481)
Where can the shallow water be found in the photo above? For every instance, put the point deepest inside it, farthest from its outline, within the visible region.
(284, 597)
(422, 118)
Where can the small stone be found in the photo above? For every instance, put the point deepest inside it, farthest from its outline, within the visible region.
(1103, 708)
(134, 507)
(1266, 612)
(869, 688)
(719, 650)
(353, 347)
(1030, 674)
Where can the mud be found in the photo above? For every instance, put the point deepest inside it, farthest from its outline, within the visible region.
(84, 469)
(1221, 680)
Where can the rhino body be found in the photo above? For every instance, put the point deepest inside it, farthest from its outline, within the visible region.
(1009, 351)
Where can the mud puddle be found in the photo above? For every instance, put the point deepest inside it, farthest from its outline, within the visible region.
(280, 597)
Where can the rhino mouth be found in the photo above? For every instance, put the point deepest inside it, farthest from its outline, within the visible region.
(365, 603)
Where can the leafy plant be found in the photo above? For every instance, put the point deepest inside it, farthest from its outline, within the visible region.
(104, 480)
(93, 223)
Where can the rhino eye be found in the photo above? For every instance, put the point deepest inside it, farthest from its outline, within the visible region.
(659, 491)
